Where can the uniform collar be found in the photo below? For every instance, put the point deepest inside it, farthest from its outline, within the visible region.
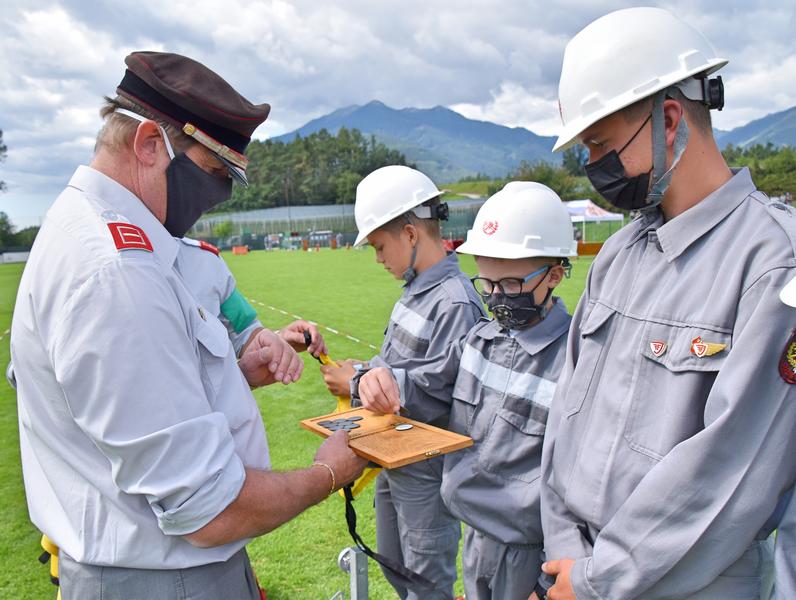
(675, 236)
(120, 200)
(538, 337)
(678, 234)
(426, 280)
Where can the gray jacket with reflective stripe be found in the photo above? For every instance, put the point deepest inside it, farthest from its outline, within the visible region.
(436, 309)
(504, 386)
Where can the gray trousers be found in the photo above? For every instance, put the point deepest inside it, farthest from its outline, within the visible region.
(230, 580)
(414, 528)
(496, 571)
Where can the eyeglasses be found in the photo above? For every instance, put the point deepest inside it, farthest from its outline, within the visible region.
(510, 286)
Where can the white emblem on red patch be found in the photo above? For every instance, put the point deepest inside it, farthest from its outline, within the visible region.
(129, 237)
(658, 347)
(490, 227)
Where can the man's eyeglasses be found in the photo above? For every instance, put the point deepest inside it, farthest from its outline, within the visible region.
(510, 286)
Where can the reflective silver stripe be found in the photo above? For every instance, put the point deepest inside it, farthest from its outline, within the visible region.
(523, 385)
(412, 322)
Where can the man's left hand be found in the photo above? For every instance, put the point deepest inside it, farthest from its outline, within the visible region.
(267, 359)
(562, 590)
(293, 334)
(338, 379)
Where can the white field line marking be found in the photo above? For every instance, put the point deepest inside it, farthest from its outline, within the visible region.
(326, 327)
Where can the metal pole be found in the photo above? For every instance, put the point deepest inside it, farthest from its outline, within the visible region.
(354, 562)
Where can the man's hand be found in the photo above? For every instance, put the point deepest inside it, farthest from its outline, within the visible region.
(336, 453)
(268, 359)
(533, 596)
(293, 334)
(337, 379)
(562, 590)
(379, 392)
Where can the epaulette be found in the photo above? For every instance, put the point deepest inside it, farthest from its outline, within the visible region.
(201, 244)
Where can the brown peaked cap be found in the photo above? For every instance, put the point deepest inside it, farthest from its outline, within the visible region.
(184, 91)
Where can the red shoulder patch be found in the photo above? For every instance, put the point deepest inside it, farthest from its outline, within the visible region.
(129, 237)
(209, 247)
(787, 363)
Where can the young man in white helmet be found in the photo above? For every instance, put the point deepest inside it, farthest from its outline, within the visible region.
(397, 211)
(785, 548)
(503, 375)
(670, 439)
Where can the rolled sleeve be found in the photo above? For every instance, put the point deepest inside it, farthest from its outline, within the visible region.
(131, 374)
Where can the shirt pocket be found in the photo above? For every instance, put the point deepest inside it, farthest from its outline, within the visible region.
(463, 407)
(671, 385)
(513, 446)
(213, 345)
(594, 334)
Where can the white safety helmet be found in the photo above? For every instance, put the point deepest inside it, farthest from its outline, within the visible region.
(387, 193)
(623, 57)
(788, 293)
(525, 219)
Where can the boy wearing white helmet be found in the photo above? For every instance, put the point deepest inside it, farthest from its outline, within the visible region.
(503, 376)
(670, 440)
(398, 211)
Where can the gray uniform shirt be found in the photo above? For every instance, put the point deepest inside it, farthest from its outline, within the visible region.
(209, 278)
(667, 451)
(437, 308)
(504, 386)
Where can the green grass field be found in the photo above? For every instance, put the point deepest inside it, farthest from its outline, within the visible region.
(343, 289)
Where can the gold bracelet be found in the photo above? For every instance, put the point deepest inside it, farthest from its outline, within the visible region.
(331, 472)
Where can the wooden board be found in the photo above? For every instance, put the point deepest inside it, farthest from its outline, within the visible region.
(378, 440)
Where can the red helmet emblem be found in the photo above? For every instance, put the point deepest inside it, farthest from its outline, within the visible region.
(490, 227)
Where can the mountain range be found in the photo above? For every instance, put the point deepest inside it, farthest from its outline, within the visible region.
(448, 146)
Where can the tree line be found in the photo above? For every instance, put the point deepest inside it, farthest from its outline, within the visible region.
(773, 170)
(320, 168)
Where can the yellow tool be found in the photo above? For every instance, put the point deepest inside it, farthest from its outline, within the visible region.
(50, 553)
(343, 404)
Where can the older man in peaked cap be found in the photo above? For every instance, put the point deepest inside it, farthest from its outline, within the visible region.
(144, 455)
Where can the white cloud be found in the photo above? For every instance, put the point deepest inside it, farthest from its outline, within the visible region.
(515, 106)
(490, 60)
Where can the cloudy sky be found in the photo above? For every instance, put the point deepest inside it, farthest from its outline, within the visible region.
(497, 60)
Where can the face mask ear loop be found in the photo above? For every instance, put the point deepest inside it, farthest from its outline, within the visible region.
(410, 272)
(143, 119)
(661, 178)
(167, 142)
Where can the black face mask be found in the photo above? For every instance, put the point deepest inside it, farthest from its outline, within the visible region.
(608, 177)
(191, 191)
(518, 312)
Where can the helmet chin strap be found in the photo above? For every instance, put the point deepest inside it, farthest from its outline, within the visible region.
(410, 272)
(661, 177)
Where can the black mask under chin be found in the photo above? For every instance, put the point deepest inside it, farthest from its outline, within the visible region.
(608, 177)
(518, 312)
(191, 191)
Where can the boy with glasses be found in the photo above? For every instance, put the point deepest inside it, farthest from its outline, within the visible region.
(503, 375)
